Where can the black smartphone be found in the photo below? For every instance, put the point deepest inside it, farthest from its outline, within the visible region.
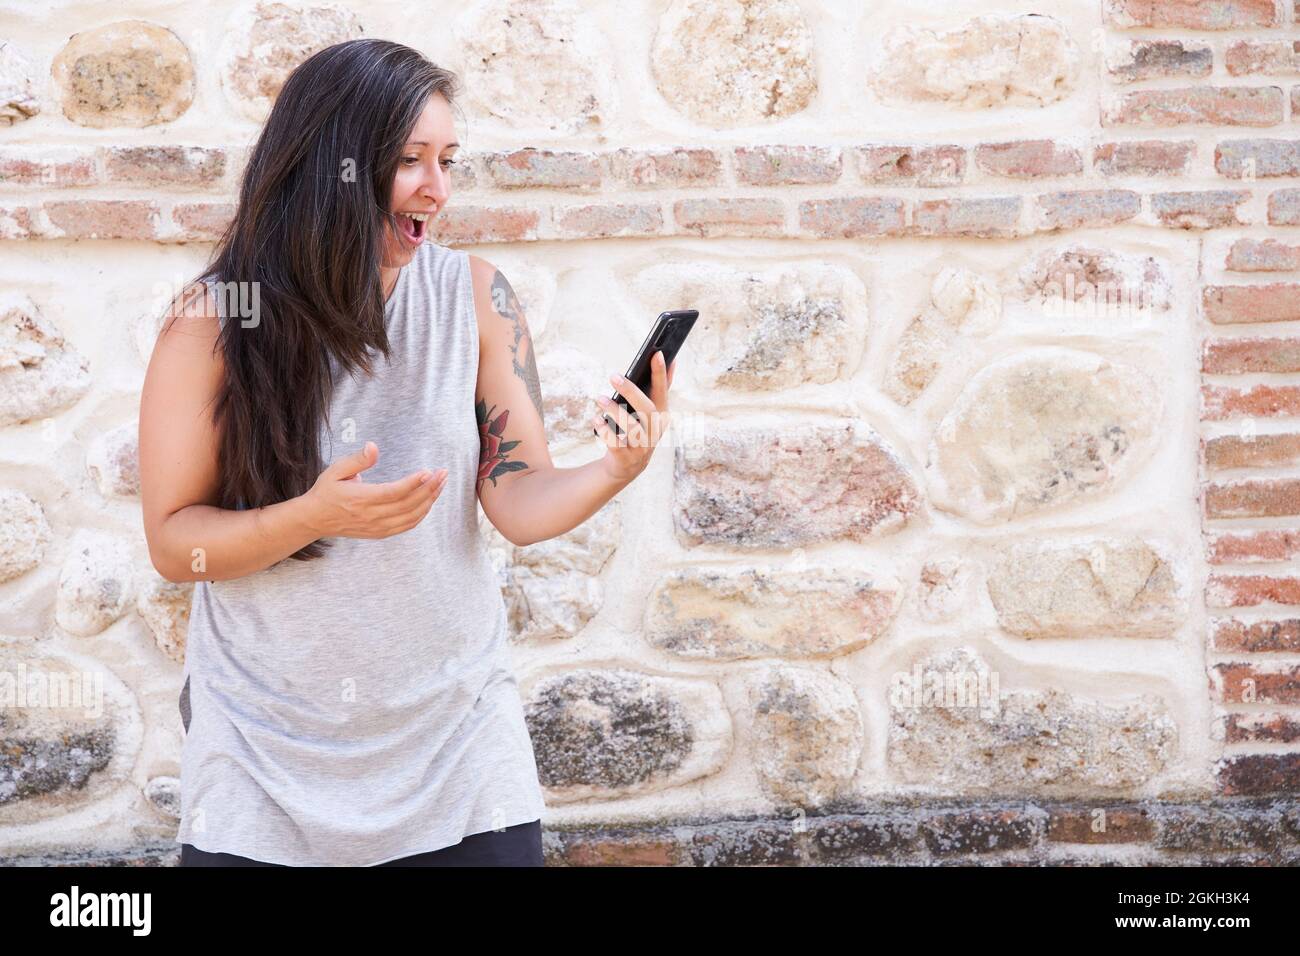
(669, 332)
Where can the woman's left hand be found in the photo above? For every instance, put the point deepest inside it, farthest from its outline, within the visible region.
(628, 454)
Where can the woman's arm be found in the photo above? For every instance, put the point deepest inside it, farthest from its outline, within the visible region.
(554, 501)
(220, 544)
(189, 538)
(523, 494)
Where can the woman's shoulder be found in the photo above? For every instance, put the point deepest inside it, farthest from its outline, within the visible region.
(448, 268)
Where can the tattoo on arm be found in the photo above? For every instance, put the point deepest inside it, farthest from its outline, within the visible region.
(507, 306)
(493, 452)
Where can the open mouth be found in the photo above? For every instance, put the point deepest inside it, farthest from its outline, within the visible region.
(414, 226)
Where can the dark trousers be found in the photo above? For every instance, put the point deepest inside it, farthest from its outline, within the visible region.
(519, 845)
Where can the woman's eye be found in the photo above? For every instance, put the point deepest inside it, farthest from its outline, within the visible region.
(410, 159)
(448, 163)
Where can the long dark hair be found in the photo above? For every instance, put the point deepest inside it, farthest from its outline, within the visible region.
(309, 238)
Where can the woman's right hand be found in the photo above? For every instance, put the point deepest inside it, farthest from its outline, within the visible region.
(341, 505)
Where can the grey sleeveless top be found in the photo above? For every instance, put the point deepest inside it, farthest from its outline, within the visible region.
(361, 707)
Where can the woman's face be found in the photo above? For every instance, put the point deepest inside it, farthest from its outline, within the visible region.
(423, 180)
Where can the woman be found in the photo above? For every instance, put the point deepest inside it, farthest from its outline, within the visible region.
(347, 695)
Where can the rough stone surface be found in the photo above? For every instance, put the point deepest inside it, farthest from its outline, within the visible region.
(1039, 430)
(1095, 588)
(113, 461)
(796, 329)
(553, 588)
(943, 588)
(55, 734)
(164, 795)
(1046, 742)
(726, 615)
(131, 73)
(95, 583)
(164, 606)
(765, 330)
(24, 534)
(18, 100)
(269, 42)
(1086, 282)
(992, 60)
(727, 63)
(756, 487)
(961, 302)
(615, 733)
(570, 377)
(533, 63)
(40, 373)
(808, 735)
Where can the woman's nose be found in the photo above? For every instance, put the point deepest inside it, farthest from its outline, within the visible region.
(439, 187)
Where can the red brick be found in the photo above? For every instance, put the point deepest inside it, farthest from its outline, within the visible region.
(1268, 255)
(103, 219)
(163, 165)
(964, 830)
(1209, 828)
(1253, 451)
(1252, 547)
(1086, 207)
(608, 221)
(1028, 159)
(202, 221)
(1235, 356)
(1255, 637)
(983, 217)
(1250, 590)
(1239, 683)
(1249, 158)
(1265, 498)
(1206, 209)
(1154, 59)
(1284, 207)
(1200, 105)
(787, 165)
(730, 217)
(1191, 14)
(666, 169)
(15, 222)
(55, 167)
(1151, 157)
(532, 168)
(1263, 56)
(1121, 825)
(1258, 774)
(475, 224)
(1261, 401)
(1231, 304)
(634, 850)
(926, 166)
(1254, 727)
(852, 216)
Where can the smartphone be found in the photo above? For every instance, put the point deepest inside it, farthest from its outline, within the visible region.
(669, 332)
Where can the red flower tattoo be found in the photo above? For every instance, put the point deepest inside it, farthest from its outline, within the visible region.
(492, 450)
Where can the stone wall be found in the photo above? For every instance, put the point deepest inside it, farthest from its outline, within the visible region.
(975, 535)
